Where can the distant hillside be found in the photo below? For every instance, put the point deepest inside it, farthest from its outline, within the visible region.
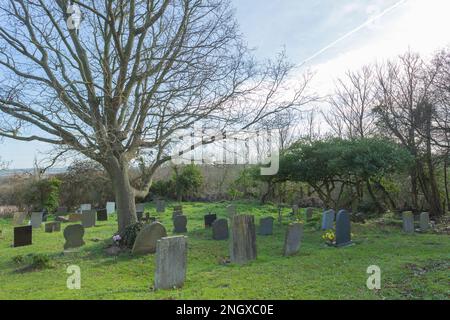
(11, 172)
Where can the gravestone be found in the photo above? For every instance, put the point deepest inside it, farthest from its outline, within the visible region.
(171, 262)
(19, 218)
(280, 214)
(295, 210)
(266, 226)
(160, 206)
(88, 218)
(23, 236)
(209, 219)
(179, 224)
(51, 227)
(36, 219)
(309, 213)
(328, 219)
(176, 213)
(147, 238)
(408, 222)
(424, 221)
(220, 229)
(292, 239)
(343, 229)
(102, 215)
(110, 207)
(75, 217)
(231, 210)
(85, 207)
(74, 236)
(243, 239)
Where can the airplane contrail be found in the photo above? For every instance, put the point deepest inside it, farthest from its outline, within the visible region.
(348, 34)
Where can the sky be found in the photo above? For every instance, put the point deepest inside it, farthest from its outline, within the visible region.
(328, 37)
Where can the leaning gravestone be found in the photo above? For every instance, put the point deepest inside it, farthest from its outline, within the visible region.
(266, 226)
(23, 236)
(147, 238)
(36, 219)
(209, 219)
(85, 207)
(88, 218)
(343, 229)
(408, 222)
(75, 217)
(74, 236)
(171, 262)
(295, 210)
(18, 218)
(328, 219)
(231, 210)
(220, 229)
(292, 239)
(110, 207)
(309, 213)
(160, 206)
(424, 221)
(51, 227)
(102, 215)
(179, 224)
(243, 242)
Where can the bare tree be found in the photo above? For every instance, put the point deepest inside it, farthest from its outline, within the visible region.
(120, 86)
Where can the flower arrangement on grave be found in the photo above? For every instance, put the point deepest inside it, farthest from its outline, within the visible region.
(330, 237)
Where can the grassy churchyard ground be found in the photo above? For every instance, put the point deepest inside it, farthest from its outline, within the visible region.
(412, 266)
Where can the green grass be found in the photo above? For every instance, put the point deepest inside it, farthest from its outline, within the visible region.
(413, 266)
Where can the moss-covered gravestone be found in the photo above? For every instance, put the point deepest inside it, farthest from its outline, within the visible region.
(220, 229)
(171, 262)
(266, 226)
(408, 222)
(424, 221)
(51, 227)
(147, 238)
(243, 239)
(74, 236)
(180, 224)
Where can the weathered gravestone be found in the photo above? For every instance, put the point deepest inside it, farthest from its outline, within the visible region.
(231, 210)
(75, 217)
(424, 221)
(171, 262)
(88, 218)
(243, 239)
(110, 207)
(102, 215)
(160, 206)
(328, 219)
(343, 229)
(408, 222)
(179, 224)
(266, 226)
(74, 236)
(19, 218)
(176, 212)
(36, 219)
(23, 236)
(147, 238)
(209, 219)
(220, 229)
(292, 239)
(309, 213)
(295, 210)
(85, 207)
(52, 227)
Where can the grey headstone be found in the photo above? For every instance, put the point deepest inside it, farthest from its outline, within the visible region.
(220, 229)
(295, 210)
(424, 221)
(343, 229)
(292, 239)
(243, 239)
(180, 224)
(147, 238)
(209, 219)
(160, 206)
(23, 236)
(102, 215)
(88, 218)
(309, 213)
(328, 219)
(231, 210)
(171, 262)
(74, 236)
(408, 222)
(19, 218)
(266, 226)
(36, 219)
(110, 207)
(53, 227)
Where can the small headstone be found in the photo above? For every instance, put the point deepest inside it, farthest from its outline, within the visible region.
(231, 210)
(328, 219)
(23, 236)
(160, 206)
(343, 229)
(220, 229)
(424, 221)
(171, 262)
(19, 218)
(74, 236)
(266, 226)
(110, 207)
(295, 210)
(85, 207)
(179, 224)
(408, 222)
(147, 238)
(243, 239)
(75, 217)
(309, 213)
(209, 219)
(53, 227)
(88, 218)
(102, 215)
(292, 239)
(36, 219)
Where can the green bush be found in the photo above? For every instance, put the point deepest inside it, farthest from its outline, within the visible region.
(18, 259)
(43, 194)
(40, 261)
(129, 235)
